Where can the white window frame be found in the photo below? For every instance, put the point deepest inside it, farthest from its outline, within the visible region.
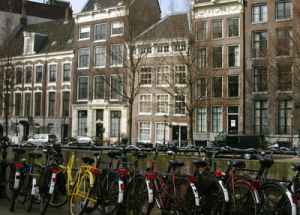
(169, 75)
(111, 57)
(140, 72)
(89, 59)
(88, 85)
(179, 114)
(110, 83)
(35, 66)
(203, 110)
(52, 83)
(62, 72)
(238, 56)
(175, 72)
(139, 132)
(121, 25)
(23, 98)
(18, 67)
(260, 21)
(221, 119)
(33, 108)
(62, 101)
(87, 29)
(212, 29)
(14, 110)
(105, 56)
(100, 40)
(168, 104)
(166, 132)
(48, 92)
(150, 101)
(94, 91)
(24, 75)
(239, 27)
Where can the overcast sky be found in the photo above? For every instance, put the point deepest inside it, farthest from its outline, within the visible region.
(166, 5)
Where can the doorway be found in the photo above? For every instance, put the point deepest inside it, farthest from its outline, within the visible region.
(179, 135)
(233, 120)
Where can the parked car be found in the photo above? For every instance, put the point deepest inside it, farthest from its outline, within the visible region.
(82, 141)
(41, 139)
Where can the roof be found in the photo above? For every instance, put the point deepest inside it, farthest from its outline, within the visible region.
(59, 36)
(173, 26)
(54, 11)
(100, 4)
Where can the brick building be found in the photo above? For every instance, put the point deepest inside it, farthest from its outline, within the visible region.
(102, 34)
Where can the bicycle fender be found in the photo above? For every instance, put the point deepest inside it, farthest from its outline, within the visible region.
(253, 189)
(287, 193)
(224, 190)
(17, 180)
(121, 191)
(91, 178)
(150, 191)
(196, 194)
(52, 183)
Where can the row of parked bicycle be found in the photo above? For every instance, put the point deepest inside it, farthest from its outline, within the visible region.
(113, 182)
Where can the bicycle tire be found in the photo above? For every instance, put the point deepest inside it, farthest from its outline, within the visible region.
(59, 197)
(79, 194)
(137, 200)
(243, 200)
(275, 200)
(45, 199)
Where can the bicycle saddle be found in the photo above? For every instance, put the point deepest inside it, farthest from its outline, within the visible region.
(238, 164)
(176, 163)
(200, 163)
(35, 155)
(296, 166)
(88, 161)
(19, 151)
(114, 154)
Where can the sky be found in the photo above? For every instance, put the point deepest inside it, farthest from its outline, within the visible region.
(167, 6)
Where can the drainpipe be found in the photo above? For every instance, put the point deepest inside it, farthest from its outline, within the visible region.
(244, 65)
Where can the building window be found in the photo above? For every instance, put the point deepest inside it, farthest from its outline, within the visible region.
(234, 56)
(115, 124)
(180, 74)
(116, 55)
(145, 132)
(201, 120)
(83, 88)
(117, 28)
(145, 76)
(217, 87)
(39, 73)
(99, 115)
(217, 57)
(180, 104)
(259, 13)
(259, 43)
(162, 48)
(162, 104)
(82, 123)
(83, 57)
(52, 72)
(179, 46)
(145, 104)
(19, 75)
(18, 104)
(233, 27)
(37, 103)
(51, 104)
(100, 56)
(260, 78)
(284, 117)
(28, 75)
(146, 49)
(283, 42)
(116, 84)
(284, 76)
(233, 86)
(261, 117)
(100, 31)
(84, 32)
(217, 27)
(217, 119)
(66, 72)
(163, 75)
(65, 104)
(202, 58)
(161, 134)
(283, 9)
(201, 30)
(202, 88)
(99, 87)
(27, 103)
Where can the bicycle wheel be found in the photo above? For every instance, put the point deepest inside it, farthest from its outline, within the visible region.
(79, 194)
(59, 196)
(215, 201)
(275, 200)
(137, 197)
(243, 200)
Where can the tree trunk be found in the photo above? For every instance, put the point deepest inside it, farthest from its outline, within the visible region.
(191, 128)
(129, 122)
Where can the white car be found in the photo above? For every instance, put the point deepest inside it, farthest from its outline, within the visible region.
(41, 139)
(83, 140)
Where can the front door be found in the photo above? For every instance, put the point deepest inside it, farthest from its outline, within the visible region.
(179, 135)
(233, 124)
